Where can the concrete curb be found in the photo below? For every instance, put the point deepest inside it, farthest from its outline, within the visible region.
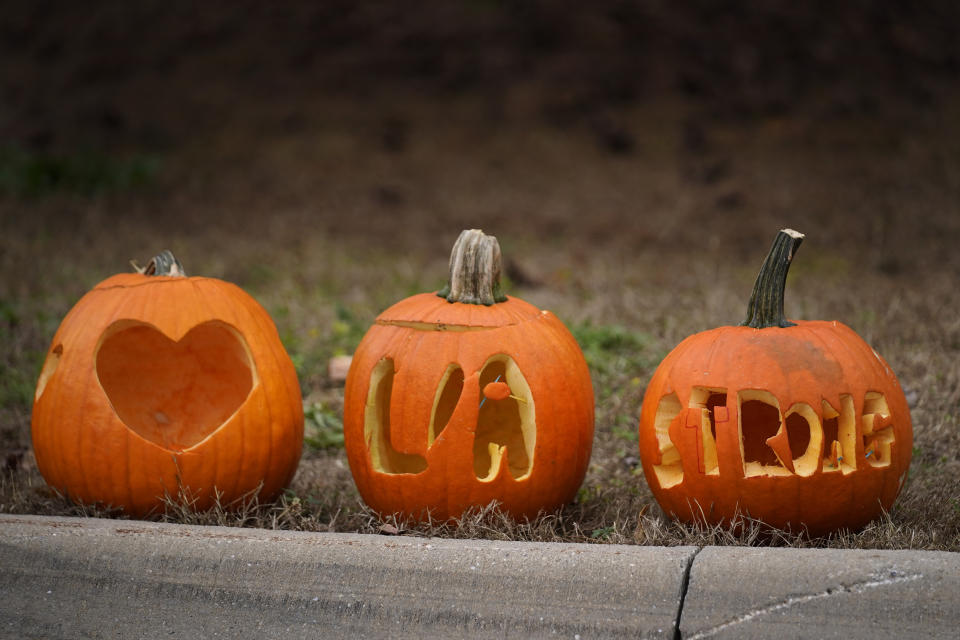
(75, 577)
(737, 592)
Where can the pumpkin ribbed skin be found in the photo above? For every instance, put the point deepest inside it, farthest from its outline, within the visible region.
(424, 334)
(87, 451)
(467, 396)
(809, 363)
(797, 424)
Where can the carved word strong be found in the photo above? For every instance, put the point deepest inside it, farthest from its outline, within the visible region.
(771, 441)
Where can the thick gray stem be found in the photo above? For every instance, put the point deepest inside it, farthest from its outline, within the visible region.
(164, 264)
(474, 270)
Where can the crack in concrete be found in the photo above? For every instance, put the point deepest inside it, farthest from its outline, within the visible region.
(684, 586)
(857, 587)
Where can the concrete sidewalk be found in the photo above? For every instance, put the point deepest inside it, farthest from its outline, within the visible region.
(79, 578)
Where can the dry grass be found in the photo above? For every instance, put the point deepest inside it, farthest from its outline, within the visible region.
(634, 251)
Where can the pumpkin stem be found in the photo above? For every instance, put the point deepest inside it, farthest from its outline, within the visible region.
(474, 270)
(766, 302)
(164, 264)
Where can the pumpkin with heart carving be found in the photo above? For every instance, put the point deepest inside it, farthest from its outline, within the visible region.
(466, 396)
(157, 384)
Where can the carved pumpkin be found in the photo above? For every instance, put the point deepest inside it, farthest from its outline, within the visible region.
(795, 424)
(155, 383)
(458, 398)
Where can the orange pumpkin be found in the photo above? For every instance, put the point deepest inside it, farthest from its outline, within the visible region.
(155, 383)
(458, 398)
(795, 424)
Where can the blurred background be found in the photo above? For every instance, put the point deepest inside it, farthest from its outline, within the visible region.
(643, 122)
(635, 159)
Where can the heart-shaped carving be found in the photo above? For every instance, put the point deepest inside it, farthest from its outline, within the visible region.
(174, 393)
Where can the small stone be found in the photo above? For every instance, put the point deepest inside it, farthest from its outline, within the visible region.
(338, 367)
